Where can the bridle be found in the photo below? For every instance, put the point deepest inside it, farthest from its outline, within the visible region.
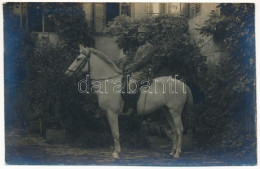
(82, 64)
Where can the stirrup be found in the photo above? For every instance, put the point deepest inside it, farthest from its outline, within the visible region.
(128, 113)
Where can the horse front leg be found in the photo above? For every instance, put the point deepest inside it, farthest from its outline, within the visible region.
(113, 122)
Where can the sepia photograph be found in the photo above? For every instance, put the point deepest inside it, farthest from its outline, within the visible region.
(129, 83)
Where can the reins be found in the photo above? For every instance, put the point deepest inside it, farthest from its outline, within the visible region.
(119, 74)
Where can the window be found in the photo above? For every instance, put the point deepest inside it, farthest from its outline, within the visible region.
(194, 9)
(40, 17)
(163, 8)
(35, 11)
(167, 8)
(153, 9)
(125, 9)
(150, 8)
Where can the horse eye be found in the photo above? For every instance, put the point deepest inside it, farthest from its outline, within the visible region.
(78, 59)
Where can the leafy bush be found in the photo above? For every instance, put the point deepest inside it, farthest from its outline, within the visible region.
(229, 107)
(71, 24)
(174, 54)
(46, 75)
(54, 97)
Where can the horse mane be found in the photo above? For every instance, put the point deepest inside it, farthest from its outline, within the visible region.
(106, 59)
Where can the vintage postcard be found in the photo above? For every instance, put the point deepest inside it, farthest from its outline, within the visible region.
(130, 83)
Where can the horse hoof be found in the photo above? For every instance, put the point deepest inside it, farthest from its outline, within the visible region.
(171, 153)
(176, 155)
(116, 155)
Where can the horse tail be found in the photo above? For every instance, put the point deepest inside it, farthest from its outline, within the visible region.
(189, 108)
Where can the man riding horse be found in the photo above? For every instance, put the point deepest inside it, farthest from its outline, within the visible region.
(139, 68)
(100, 68)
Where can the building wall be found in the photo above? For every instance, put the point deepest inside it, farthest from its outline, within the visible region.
(139, 11)
(157, 8)
(108, 46)
(105, 44)
(154, 8)
(175, 8)
(143, 10)
(206, 44)
(88, 9)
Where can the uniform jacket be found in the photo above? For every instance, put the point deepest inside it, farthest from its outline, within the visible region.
(143, 57)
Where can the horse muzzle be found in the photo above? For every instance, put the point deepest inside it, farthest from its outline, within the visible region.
(69, 73)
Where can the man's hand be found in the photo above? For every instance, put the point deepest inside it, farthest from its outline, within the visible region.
(128, 68)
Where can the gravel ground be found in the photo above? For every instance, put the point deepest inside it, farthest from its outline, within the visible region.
(25, 148)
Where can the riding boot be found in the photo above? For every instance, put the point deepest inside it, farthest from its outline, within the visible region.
(131, 104)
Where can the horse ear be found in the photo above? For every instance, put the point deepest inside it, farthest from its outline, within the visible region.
(80, 46)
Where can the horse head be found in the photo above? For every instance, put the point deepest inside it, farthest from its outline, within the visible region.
(80, 64)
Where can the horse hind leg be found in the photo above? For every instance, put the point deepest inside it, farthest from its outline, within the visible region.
(176, 116)
(174, 132)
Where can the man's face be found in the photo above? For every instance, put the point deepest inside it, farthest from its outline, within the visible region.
(141, 37)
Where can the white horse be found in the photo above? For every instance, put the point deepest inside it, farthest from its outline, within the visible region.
(106, 80)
